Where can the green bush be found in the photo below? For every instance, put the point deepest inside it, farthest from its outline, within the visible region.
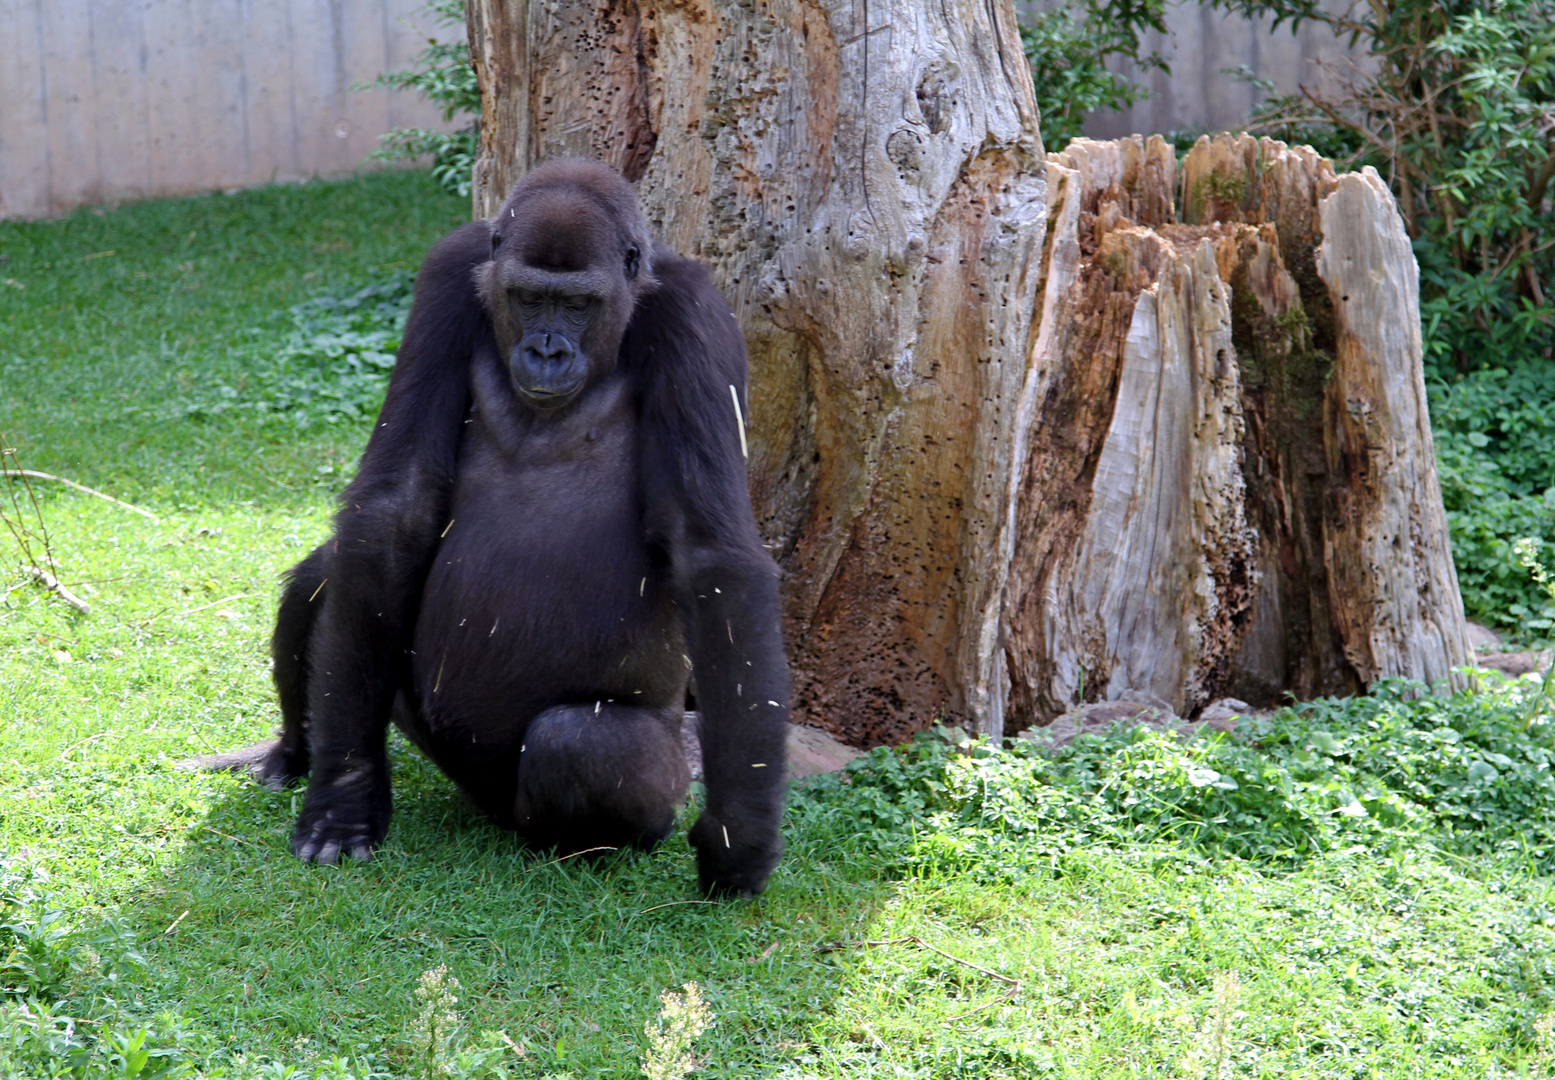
(335, 364)
(1456, 114)
(1068, 47)
(332, 367)
(441, 72)
(1466, 774)
(1494, 431)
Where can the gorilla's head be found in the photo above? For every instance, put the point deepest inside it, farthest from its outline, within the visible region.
(569, 258)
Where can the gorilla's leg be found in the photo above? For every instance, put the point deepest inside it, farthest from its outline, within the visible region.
(600, 775)
(279, 763)
(289, 647)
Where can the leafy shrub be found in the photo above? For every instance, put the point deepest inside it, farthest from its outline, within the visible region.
(1468, 773)
(1068, 46)
(442, 72)
(47, 968)
(1494, 432)
(333, 364)
(1455, 109)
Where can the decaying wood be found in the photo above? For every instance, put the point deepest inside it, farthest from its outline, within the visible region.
(1230, 487)
(1021, 437)
(871, 202)
(1387, 546)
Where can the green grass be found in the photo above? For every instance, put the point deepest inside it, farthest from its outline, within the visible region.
(124, 319)
(1116, 883)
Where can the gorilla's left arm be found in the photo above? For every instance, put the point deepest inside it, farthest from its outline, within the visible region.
(685, 350)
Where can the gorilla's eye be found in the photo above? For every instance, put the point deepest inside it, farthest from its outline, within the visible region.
(576, 304)
(633, 257)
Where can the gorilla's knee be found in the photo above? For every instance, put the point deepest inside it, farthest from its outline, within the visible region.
(600, 775)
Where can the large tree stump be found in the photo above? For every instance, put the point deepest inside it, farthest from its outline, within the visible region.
(1168, 453)
(1231, 487)
(870, 201)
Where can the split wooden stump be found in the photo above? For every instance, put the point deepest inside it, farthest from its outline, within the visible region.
(1231, 489)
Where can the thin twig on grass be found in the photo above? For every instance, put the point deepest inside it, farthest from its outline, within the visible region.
(55, 586)
(673, 903)
(40, 566)
(33, 474)
(146, 624)
(574, 855)
(914, 939)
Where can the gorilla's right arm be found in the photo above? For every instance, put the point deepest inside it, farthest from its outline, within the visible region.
(376, 564)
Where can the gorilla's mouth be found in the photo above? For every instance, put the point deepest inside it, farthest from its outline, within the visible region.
(549, 397)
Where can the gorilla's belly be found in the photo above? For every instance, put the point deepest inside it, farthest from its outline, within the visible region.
(564, 605)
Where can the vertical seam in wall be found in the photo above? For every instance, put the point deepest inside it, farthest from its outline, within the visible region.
(337, 41)
(388, 98)
(97, 107)
(145, 103)
(1206, 31)
(243, 43)
(1255, 41)
(291, 86)
(43, 77)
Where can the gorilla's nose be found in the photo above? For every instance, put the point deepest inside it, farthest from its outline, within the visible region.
(548, 349)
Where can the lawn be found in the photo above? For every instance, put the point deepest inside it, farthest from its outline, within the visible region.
(1359, 890)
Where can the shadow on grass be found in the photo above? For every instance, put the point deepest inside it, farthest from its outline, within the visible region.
(566, 957)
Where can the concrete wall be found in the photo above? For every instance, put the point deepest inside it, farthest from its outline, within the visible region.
(108, 100)
(1200, 43)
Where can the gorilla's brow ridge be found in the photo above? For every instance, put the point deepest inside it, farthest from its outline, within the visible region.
(572, 283)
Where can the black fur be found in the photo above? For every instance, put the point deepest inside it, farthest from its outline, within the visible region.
(549, 528)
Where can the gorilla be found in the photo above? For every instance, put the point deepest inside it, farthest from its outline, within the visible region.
(548, 533)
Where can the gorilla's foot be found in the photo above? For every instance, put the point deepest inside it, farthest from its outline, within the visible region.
(348, 814)
(270, 762)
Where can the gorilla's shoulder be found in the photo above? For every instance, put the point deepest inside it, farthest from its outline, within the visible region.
(685, 319)
(677, 274)
(453, 258)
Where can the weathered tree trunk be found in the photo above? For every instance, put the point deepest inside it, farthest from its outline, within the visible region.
(1231, 486)
(1164, 456)
(871, 202)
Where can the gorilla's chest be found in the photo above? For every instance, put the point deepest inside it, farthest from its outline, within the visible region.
(545, 589)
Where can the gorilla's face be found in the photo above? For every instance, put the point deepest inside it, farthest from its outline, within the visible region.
(550, 363)
(561, 284)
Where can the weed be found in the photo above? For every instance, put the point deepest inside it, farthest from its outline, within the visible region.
(1210, 1055)
(432, 1035)
(681, 1021)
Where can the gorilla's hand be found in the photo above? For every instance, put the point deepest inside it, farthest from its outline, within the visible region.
(347, 813)
(734, 858)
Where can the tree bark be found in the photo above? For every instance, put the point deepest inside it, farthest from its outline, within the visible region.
(866, 181)
(1231, 487)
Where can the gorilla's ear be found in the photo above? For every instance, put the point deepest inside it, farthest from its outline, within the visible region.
(496, 240)
(633, 261)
